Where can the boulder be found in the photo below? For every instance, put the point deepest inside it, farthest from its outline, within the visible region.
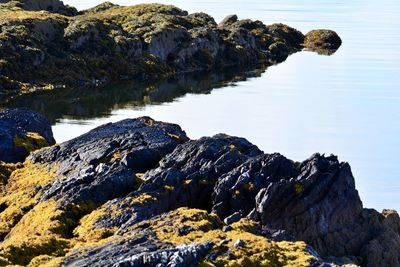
(324, 42)
(21, 132)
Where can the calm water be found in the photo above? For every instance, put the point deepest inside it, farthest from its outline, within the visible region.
(346, 104)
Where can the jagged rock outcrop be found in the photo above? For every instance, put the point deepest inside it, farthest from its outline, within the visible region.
(315, 201)
(107, 157)
(140, 192)
(185, 178)
(43, 50)
(21, 132)
(68, 180)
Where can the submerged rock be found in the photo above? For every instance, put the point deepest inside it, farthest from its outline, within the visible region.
(139, 192)
(21, 132)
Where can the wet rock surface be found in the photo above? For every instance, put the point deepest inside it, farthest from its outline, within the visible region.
(139, 192)
(109, 42)
(22, 131)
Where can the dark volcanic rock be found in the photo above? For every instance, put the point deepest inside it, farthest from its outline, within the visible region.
(137, 251)
(315, 201)
(22, 131)
(188, 237)
(372, 237)
(194, 167)
(102, 164)
(318, 200)
(324, 42)
(185, 178)
(236, 191)
(142, 194)
(320, 180)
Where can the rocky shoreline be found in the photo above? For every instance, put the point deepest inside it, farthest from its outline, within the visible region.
(140, 193)
(45, 44)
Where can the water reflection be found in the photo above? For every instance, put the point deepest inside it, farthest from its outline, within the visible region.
(82, 104)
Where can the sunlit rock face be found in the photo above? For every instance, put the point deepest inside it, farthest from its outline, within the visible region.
(139, 191)
(45, 44)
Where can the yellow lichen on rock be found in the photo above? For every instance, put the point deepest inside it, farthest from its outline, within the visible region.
(17, 15)
(37, 233)
(22, 192)
(44, 234)
(31, 141)
(143, 199)
(5, 171)
(187, 226)
(87, 230)
(45, 261)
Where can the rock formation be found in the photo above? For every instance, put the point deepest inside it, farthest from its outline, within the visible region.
(21, 132)
(323, 42)
(57, 46)
(138, 192)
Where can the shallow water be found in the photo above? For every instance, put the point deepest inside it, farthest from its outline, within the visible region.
(346, 104)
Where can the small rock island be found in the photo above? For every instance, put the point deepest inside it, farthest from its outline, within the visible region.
(45, 44)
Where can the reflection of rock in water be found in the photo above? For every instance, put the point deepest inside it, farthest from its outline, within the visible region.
(87, 103)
